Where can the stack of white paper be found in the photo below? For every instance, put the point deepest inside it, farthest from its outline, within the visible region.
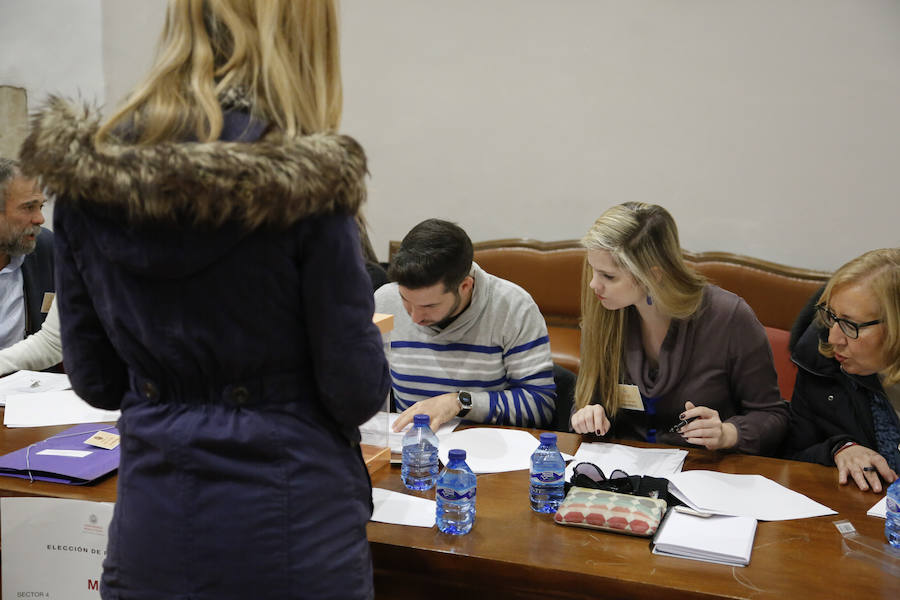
(52, 408)
(492, 450)
(382, 423)
(743, 495)
(655, 462)
(717, 539)
(32, 382)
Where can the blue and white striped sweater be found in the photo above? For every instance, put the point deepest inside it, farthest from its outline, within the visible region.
(497, 350)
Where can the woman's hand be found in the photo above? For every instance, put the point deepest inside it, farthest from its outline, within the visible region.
(707, 429)
(865, 466)
(590, 419)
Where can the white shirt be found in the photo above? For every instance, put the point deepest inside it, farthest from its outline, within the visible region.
(12, 302)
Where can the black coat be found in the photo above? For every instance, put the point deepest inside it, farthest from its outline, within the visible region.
(216, 293)
(829, 407)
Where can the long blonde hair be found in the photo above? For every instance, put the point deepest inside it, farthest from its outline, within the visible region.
(281, 56)
(879, 270)
(643, 240)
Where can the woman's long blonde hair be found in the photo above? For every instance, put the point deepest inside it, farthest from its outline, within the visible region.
(643, 240)
(281, 56)
(879, 270)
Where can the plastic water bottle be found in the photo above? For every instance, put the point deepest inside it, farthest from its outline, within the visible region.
(548, 471)
(419, 466)
(455, 495)
(892, 512)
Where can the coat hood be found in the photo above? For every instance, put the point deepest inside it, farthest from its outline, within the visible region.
(272, 181)
(172, 208)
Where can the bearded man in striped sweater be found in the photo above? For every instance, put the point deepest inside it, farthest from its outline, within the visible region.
(464, 343)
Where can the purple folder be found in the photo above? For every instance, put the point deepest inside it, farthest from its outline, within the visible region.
(29, 463)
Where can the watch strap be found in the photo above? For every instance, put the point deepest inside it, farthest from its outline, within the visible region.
(465, 402)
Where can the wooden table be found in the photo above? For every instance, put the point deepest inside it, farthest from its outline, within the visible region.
(513, 552)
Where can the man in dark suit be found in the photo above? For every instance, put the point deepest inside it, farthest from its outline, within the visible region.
(26, 256)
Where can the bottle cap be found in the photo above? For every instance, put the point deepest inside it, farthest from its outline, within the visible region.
(457, 454)
(421, 419)
(548, 439)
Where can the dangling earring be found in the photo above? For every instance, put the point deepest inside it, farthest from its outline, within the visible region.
(649, 300)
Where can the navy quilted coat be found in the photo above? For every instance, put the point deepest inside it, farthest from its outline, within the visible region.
(216, 293)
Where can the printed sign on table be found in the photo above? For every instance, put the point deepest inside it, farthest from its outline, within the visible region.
(53, 548)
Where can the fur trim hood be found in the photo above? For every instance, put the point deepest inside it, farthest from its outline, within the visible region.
(273, 181)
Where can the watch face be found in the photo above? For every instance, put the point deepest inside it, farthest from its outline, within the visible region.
(465, 398)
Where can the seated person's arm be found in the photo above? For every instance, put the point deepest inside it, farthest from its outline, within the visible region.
(808, 442)
(40, 350)
(590, 419)
(761, 418)
(529, 397)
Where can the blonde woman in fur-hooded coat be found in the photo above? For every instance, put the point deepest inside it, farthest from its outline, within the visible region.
(211, 286)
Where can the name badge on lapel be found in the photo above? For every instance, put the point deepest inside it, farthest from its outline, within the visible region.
(48, 300)
(631, 397)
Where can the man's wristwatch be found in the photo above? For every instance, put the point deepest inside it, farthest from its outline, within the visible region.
(465, 401)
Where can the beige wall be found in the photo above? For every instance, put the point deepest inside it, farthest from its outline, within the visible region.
(767, 127)
(13, 120)
(52, 46)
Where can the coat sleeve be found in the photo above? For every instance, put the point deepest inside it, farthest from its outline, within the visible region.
(347, 349)
(762, 418)
(806, 441)
(96, 372)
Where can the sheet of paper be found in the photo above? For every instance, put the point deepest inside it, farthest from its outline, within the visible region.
(53, 548)
(402, 509)
(52, 408)
(655, 462)
(743, 495)
(31, 382)
(68, 453)
(879, 510)
(373, 430)
(492, 450)
(717, 539)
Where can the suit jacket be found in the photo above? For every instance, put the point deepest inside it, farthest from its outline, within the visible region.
(37, 275)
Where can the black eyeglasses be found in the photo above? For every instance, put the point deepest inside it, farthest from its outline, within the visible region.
(850, 328)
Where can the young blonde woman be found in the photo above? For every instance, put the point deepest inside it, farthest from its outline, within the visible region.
(667, 357)
(211, 285)
(846, 406)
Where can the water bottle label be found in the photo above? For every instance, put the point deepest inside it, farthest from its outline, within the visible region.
(454, 496)
(547, 476)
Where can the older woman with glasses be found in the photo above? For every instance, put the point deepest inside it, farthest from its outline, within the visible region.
(846, 406)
